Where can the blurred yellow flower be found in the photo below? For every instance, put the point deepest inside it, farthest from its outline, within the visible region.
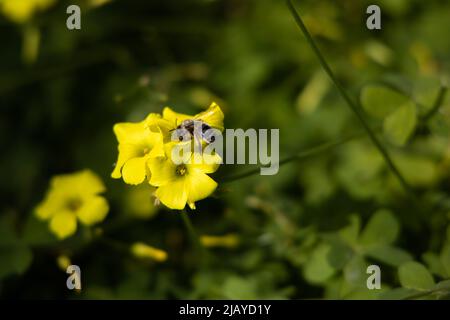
(20, 11)
(98, 3)
(226, 241)
(138, 142)
(73, 197)
(139, 201)
(63, 262)
(184, 183)
(144, 251)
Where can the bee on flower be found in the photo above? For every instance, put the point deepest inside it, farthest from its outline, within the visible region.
(72, 198)
(168, 152)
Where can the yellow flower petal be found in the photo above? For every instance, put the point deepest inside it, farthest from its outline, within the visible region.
(137, 140)
(78, 183)
(213, 116)
(158, 147)
(93, 210)
(63, 224)
(139, 202)
(20, 11)
(126, 152)
(131, 133)
(134, 170)
(158, 124)
(175, 118)
(207, 164)
(63, 262)
(17, 11)
(87, 182)
(163, 171)
(199, 186)
(173, 195)
(52, 204)
(144, 251)
(226, 241)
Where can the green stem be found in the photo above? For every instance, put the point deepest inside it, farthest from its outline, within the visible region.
(298, 156)
(192, 233)
(437, 104)
(354, 108)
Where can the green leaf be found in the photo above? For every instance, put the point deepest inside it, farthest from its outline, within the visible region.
(380, 101)
(318, 269)
(239, 288)
(350, 233)
(339, 254)
(434, 264)
(399, 125)
(388, 254)
(382, 228)
(418, 170)
(443, 285)
(414, 275)
(445, 259)
(355, 272)
(364, 294)
(426, 90)
(397, 294)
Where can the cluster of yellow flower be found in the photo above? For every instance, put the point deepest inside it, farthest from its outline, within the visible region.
(145, 154)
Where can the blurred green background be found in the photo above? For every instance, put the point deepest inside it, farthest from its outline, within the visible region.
(308, 232)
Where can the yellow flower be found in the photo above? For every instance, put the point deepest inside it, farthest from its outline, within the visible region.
(183, 183)
(213, 116)
(226, 241)
(145, 152)
(73, 197)
(144, 251)
(139, 203)
(20, 11)
(138, 142)
(63, 262)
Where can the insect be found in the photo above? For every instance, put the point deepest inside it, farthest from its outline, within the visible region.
(197, 129)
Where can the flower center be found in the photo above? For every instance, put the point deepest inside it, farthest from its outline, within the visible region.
(181, 170)
(73, 204)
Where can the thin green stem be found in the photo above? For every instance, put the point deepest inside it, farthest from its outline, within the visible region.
(437, 104)
(353, 106)
(298, 156)
(192, 233)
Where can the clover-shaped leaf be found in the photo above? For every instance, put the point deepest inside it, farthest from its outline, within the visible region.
(414, 275)
(382, 228)
(318, 268)
(398, 112)
(400, 124)
(380, 101)
(388, 254)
